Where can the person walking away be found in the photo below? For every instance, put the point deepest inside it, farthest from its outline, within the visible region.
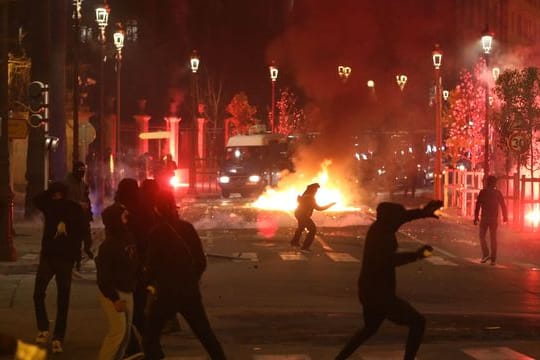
(487, 206)
(412, 176)
(78, 191)
(117, 265)
(303, 212)
(377, 280)
(175, 262)
(64, 230)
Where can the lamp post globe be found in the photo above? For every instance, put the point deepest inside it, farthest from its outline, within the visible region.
(273, 76)
(436, 56)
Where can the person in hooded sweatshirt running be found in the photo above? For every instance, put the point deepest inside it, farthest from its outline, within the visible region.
(377, 281)
(117, 265)
(306, 205)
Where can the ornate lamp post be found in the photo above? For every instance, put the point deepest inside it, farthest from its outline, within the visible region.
(437, 61)
(77, 4)
(344, 72)
(119, 44)
(401, 81)
(487, 38)
(102, 20)
(194, 64)
(273, 76)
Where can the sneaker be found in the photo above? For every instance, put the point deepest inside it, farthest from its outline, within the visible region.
(136, 356)
(484, 259)
(305, 251)
(56, 347)
(42, 337)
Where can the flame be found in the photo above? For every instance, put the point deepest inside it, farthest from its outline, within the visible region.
(533, 216)
(284, 197)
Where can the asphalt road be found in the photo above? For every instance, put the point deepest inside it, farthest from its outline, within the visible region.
(267, 301)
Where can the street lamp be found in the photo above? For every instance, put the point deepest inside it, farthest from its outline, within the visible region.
(401, 81)
(487, 39)
(102, 20)
(273, 76)
(344, 72)
(194, 64)
(119, 44)
(445, 94)
(77, 5)
(437, 61)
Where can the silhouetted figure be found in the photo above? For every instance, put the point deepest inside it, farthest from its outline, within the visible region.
(77, 191)
(117, 265)
(489, 199)
(411, 171)
(306, 205)
(377, 281)
(65, 228)
(175, 262)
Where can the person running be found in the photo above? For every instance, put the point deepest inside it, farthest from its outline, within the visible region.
(306, 205)
(117, 265)
(487, 205)
(63, 232)
(175, 262)
(377, 280)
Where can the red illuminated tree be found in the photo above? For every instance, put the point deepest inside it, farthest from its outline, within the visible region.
(241, 115)
(466, 117)
(291, 118)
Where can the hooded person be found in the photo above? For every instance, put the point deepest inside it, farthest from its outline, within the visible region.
(64, 231)
(175, 262)
(117, 265)
(303, 212)
(377, 280)
(487, 205)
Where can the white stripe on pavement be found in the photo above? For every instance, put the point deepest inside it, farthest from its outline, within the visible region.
(437, 260)
(323, 243)
(245, 256)
(282, 357)
(495, 353)
(341, 257)
(292, 256)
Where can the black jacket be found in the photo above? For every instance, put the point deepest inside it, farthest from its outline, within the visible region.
(57, 243)
(488, 201)
(78, 192)
(377, 281)
(175, 260)
(117, 258)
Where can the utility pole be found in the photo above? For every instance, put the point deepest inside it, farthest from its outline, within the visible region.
(76, 32)
(7, 250)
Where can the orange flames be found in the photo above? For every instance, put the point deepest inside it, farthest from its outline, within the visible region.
(284, 196)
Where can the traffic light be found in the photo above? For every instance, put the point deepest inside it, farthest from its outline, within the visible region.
(38, 102)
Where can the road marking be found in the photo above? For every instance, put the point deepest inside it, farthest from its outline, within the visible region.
(282, 357)
(495, 353)
(341, 257)
(528, 266)
(323, 243)
(437, 260)
(292, 256)
(438, 249)
(245, 256)
(477, 262)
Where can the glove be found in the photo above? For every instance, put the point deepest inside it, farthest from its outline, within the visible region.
(431, 207)
(424, 251)
(475, 221)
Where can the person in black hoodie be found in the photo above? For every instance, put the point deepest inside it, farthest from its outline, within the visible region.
(175, 262)
(64, 230)
(377, 281)
(306, 205)
(117, 265)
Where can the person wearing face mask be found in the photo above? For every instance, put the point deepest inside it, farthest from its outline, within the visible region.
(117, 264)
(77, 191)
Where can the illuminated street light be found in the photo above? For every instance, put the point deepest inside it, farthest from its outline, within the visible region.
(273, 76)
(371, 84)
(445, 94)
(401, 81)
(487, 38)
(102, 19)
(118, 38)
(344, 72)
(437, 62)
(194, 62)
(495, 72)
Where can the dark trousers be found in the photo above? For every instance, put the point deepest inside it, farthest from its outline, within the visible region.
(399, 312)
(139, 303)
(304, 223)
(492, 226)
(192, 309)
(61, 270)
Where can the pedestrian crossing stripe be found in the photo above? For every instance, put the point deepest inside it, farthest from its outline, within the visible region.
(282, 357)
(437, 260)
(495, 353)
(292, 256)
(341, 257)
(245, 256)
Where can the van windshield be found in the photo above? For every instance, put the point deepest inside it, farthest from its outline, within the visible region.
(243, 153)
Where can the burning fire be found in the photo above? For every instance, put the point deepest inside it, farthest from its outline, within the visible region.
(284, 196)
(533, 216)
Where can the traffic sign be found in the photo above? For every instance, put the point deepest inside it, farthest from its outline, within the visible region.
(518, 142)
